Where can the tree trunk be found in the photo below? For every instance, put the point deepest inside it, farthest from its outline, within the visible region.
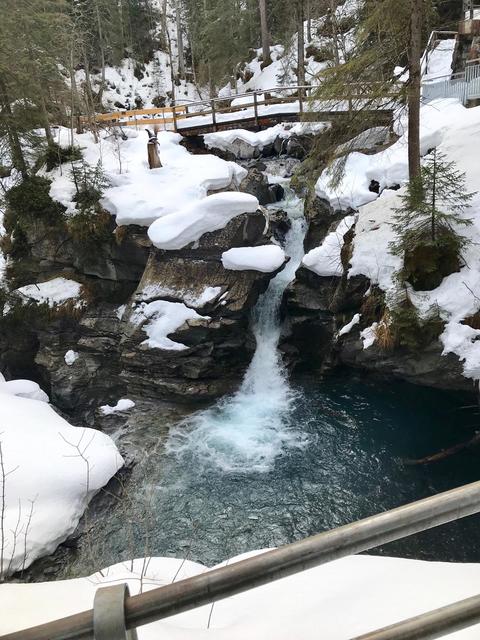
(181, 56)
(414, 88)
(301, 43)
(16, 151)
(102, 52)
(309, 20)
(262, 4)
(152, 150)
(333, 20)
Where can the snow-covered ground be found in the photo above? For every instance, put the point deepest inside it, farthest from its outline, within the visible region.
(337, 601)
(438, 64)
(138, 195)
(325, 260)
(455, 131)
(51, 471)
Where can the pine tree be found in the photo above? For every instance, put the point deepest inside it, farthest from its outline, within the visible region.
(426, 223)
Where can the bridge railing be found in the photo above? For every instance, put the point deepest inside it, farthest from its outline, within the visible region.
(115, 612)
(253, 104)
(471, 10)
(464, 86)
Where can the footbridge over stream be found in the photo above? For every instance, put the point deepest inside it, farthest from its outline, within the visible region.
(255, 110)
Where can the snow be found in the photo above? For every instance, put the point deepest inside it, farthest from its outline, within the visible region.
(52, 292)
(122, 405)
(228, 140)
(161, 318)
(54, 470)
(187, 225)
(138, 195)
(71, 357)
(189, 297)
(266, 258)
(339, 600)
(348, 327)
(369, 335)
(439, 62)
(23, 389)
(389, 167)
(326, 260)
(455, 130)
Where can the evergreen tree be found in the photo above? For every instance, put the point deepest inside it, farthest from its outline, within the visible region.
(426, 223)
(433, 205)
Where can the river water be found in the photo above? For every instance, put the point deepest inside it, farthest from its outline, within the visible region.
(280, 460)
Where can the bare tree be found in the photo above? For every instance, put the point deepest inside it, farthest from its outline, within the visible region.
(414, 88)
(262, 4)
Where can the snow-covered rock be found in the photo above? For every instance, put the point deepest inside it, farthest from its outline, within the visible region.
(124, 404)
(455, 131)
(266, 258)
(343, 599)
(325, 260)
(161, 318)
(187, 225)
(52, 292)
(71, 357)
(53, 470)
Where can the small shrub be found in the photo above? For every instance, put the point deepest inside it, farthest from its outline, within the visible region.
(409, 331)
(90, 183)
(30, 200)
(319, 54)
(373, 307)
(55, 155)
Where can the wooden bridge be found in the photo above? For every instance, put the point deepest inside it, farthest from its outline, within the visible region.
(254, 110)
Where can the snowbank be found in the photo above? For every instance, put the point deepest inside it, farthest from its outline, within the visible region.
(138, 195)
(53, 469)
(456, 131)
(266, 258)
(161, 318)
(390, 167)
(339, 600)
(53, 292)
(190, 223)
(326, 260)
(23, 389)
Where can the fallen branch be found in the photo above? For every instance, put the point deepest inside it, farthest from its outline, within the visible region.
(446, 453)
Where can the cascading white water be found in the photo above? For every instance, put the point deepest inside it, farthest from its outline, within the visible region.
(247, 431)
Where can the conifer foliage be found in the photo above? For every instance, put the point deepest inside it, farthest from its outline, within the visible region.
(427, 221)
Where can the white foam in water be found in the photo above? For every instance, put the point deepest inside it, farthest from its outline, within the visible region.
(247, 431)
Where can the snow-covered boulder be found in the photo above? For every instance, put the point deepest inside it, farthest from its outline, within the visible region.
(325, 260)
(52, 472)
(266, 258)
(187, 225)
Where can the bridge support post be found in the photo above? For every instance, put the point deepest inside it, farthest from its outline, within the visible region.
(214, 116)
(255, 107)
(109, 614)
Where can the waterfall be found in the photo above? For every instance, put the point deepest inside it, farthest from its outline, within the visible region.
(248, 430)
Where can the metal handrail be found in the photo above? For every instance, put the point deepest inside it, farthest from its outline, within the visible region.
(270, 566)
(434, 624)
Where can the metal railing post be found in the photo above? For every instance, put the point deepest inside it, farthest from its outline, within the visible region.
(109, 614)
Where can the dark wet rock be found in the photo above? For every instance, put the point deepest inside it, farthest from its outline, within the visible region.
(256, 183)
